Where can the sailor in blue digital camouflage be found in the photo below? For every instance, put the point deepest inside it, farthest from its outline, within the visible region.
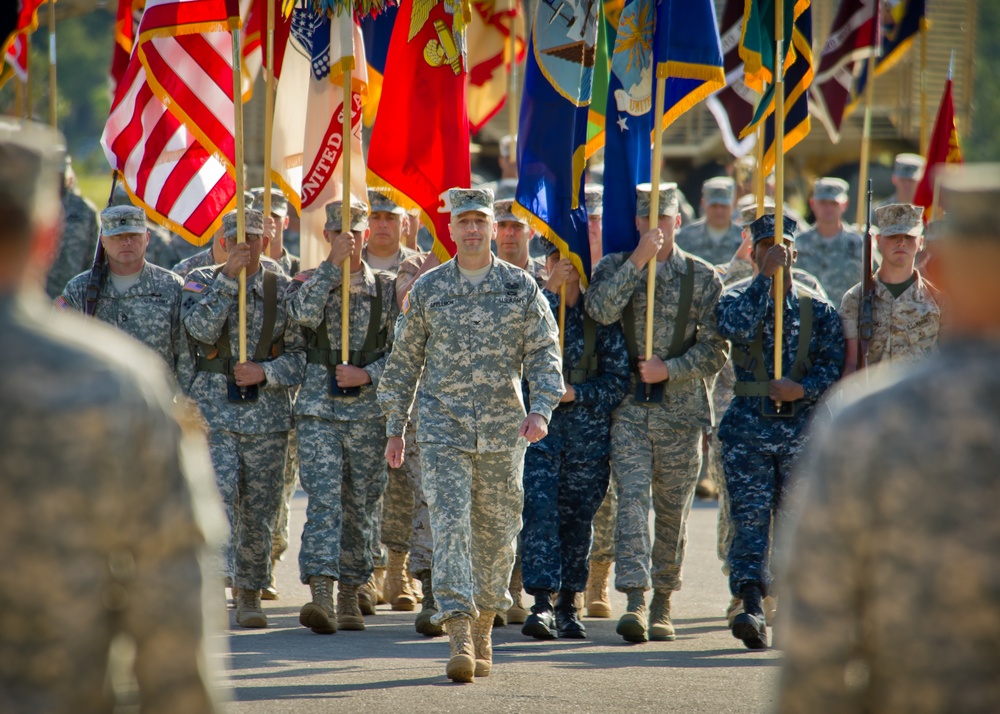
(393, 516)
(891, 579)
(470, 330)
(513, 234)
(275, 229)
(906, 308)
(764, 429)
(566, 474)
(830, 249)
(140, 299)
(907, 171)
(79, 236)
(247, 405)
(106, 499)
(656, 445)
(715, 237)
(340, 434)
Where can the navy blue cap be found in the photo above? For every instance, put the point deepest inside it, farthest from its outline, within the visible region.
(763, 228)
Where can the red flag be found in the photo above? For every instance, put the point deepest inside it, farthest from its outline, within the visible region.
(126, 27)
(420, 140)
(16, 24)
(17, 57)
(944, 149)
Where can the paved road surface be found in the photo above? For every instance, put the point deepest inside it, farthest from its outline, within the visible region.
(390, 668)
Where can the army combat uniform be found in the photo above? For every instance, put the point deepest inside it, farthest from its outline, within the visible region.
(698, 238)
(77, 244)
(834, 261)
(759, 451)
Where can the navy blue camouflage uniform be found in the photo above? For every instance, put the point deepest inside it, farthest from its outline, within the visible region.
(566, 474)
(759, 452)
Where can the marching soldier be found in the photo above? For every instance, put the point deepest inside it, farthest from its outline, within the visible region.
(247, 405)
(513, 234)
(830, 250)
(715, 237)
(165, 248)
(894, 560)
(135, 296)
(566, 474)
(215, 254)
(594, 197)
(275, 228)
(469, 330)
(79, 236)
(339, 422)
(906, 308)
(656, 445)
(907, 170)
(759, 443)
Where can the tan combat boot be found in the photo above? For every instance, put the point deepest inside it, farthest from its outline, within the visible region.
(482, 639)
(368, 596)
(734, 609)
(632, 626)
(248, 610)
(319, 615)
(598, 603)
(378, 583)
(516, 614)
(349, 615)
(271, 591)
(397, 583)
(462, 665)
(428, 609)
(661, 629)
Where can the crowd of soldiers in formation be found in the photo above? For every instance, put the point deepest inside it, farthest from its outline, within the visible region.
(621, 429)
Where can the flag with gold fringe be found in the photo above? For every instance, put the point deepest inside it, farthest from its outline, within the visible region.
(944, 149)
(599, 93)
(901, 22)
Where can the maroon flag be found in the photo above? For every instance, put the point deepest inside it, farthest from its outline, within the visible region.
(733, 105)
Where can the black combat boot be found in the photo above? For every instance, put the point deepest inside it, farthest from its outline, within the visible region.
(567, 622)
(540, 624)
(750, 625)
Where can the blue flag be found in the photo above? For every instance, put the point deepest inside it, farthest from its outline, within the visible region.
(552, 133)
(688, 56)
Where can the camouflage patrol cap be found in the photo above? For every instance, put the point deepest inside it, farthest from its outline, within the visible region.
(463, 200)
(335, 218)
(380, 203)
(119, 220)
(254, 224)
(763, 228)
(120, 196)
(593, 194)
(970, 195)
(507, 143)
(749, 214)
(909, 166)
(719, 191)
(829, 188)
(669, 203)
(900, 219)
(279, 204)
(504, 211)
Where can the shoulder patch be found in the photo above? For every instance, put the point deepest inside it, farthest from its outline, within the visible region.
(406, 303)
(60, 303)
(194, 286)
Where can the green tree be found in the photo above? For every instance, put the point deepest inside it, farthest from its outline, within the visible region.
(984, 140)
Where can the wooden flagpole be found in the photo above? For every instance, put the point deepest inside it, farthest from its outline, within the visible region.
(866, 138)
(923, 92)
(760, 179)
(654, 207)
(238, 175)
(345, 209)
(268, 107)
(779, 182)
(52, 63)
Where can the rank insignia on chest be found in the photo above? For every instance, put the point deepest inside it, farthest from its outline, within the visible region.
(60, 303)
(194, 286)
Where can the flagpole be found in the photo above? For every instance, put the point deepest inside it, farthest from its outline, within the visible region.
(19, 98)
(760, 180)
(512, 81)
(923, 92)
(779, 182)
(345, 213)
(268, 107)
(27, 78)
(866, 138)
(654, 209)
(52, 63)
(238, 175)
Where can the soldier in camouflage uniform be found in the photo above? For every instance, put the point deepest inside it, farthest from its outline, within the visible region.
(907, 308)
(566, 474)
(165, 248)
(657, 445)
(891, 579)
(594, 197)
(830, 250)
(469, 330)
(135, 296)
(513, 234)
(248, 438)
(715, 237)
(759, 448)
(340, 435)
(106, 500)
(907, 170)
(275, 229)
(215, 254)
(79, 237)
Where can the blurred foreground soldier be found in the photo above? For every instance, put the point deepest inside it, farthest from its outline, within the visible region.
(760, 443)
(137, 297)
(715, 237)
(105, 501)
(513, 234)
(907, 170)
(566, 474)
(75, 252)
(656, 445)
(247, 405)
(892, 579)
(473, 326)
(339, 422)
(906, 308)
(830, 250)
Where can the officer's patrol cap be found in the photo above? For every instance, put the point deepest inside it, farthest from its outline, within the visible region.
(900, 219)
(763, 228)
(505, 145)
(719, 191)
(830, 189)
(970, 195)
(119, 220)
(335, 216)
(504, 211)
(593, 194)
(749, 213)
(908, 166)
(669, 203)
(380, 203)
(463, 200)
(254, 224)
(30, 169)
(279, 204)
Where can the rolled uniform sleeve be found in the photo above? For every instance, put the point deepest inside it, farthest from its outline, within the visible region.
(398, 382)
(542, 362)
